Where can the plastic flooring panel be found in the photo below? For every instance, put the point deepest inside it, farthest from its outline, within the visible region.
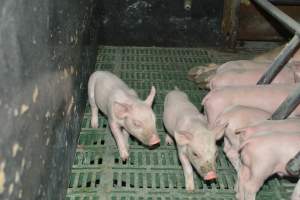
(98, 173)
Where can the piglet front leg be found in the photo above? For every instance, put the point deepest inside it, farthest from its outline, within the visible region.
(187, 171)
(296, 193)
(119, 137)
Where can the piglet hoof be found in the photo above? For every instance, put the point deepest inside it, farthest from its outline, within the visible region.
(168, 140)
(190, 187)
(94, 122)
(237, 196)
(124, 155)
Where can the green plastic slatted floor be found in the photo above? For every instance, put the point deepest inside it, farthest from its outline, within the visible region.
(98, 173)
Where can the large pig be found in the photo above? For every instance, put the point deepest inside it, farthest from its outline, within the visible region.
(126, 113)
(262, 155)
(195, 143)
(266, 97)
(291, 125)
(232, 119)
(245, 72)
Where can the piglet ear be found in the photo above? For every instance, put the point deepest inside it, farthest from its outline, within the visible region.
(219, 130)
(121, 110)
(151, 96)
(183, 137)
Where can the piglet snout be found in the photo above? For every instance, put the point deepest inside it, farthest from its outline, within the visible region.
(210, 176)
(154, 139)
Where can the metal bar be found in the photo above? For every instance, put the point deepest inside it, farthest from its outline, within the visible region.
(279, 62)
(293, 166)
(288, 105)
(286, 20)
(286, 2)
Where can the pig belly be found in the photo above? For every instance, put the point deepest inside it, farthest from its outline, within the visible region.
(265, 97)
(242, 76)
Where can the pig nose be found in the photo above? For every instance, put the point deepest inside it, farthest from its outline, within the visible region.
(210, 176)
(154, 139)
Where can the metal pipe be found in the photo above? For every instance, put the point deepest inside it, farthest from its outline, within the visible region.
(286, 20)
(288, 105)
(279, 62)
(187, 5)
(286, 2)
(293, 166)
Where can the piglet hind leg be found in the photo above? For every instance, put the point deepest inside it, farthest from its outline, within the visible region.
(119, 137)
(188, 172)
(94, 110)
(94, 118)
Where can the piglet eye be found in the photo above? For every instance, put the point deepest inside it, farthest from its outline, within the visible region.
(137, 123)
(194, 154)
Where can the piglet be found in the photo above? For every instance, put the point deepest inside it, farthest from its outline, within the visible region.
(196, 144)
(290, 124)
(232, 119)
(246, 72)
(126, 113)
(262, 155)
(266, 97)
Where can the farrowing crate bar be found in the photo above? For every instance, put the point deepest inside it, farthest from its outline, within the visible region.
(293, 100)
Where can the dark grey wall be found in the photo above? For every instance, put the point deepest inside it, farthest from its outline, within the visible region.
(161, 23)
(47, 50)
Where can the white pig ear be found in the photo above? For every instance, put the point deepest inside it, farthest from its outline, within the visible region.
(183, 137)
(219, 131)
(151, 96)
(121, 110)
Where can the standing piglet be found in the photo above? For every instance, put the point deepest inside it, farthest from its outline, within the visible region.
(232, 119)
(126, 113)
(195, 143)
(262, 155)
